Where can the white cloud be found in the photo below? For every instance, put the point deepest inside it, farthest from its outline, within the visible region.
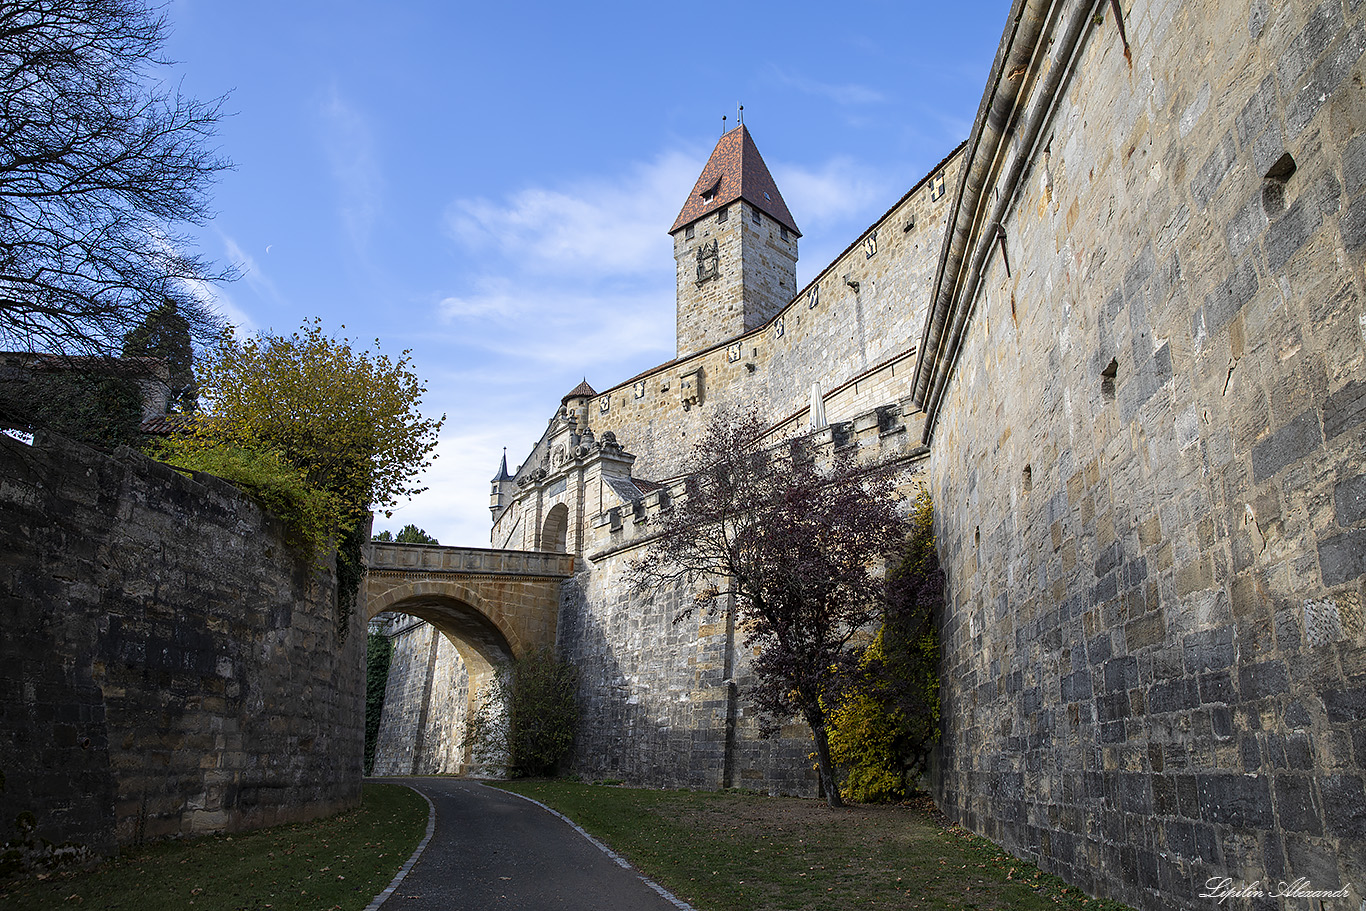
(845, 94)
(454, 508)
(840, 189)
(558, 326)
(595, 226)
(350, 150)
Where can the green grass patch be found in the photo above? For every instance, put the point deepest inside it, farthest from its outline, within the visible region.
(724, 851)
(337, 863)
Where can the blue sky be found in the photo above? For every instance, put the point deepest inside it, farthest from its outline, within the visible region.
(490, 185)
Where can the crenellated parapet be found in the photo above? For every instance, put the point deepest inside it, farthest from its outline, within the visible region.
(887, 434)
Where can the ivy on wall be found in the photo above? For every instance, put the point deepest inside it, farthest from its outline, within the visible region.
(379, 651)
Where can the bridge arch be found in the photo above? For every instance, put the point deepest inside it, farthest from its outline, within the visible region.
(491, 606)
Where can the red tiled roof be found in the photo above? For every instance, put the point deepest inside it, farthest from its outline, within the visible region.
(583, 390)
(735, 170)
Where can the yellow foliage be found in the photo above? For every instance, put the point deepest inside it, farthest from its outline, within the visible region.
(882, 729)
(864, 740)
(347, 418)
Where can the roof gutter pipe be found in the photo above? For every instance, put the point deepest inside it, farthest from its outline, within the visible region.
(1021, 57)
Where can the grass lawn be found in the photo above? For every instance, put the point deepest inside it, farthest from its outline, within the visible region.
(737, 852)
(337, 863)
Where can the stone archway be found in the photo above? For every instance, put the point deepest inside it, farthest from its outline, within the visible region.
(482, 608)
(555, 530)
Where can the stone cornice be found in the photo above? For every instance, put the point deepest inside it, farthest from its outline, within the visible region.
(411, 559)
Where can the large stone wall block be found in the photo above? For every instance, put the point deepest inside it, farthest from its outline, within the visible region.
(1211, 191)
(174, 666)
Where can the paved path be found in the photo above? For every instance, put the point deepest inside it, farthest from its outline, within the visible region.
(495, 851)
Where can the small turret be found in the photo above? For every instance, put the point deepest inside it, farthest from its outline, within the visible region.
(503, 484)
(576, 402)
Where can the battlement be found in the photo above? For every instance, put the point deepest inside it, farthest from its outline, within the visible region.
(889, 433)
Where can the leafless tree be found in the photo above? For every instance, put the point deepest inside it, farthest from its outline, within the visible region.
(799, 545)
(100, 168)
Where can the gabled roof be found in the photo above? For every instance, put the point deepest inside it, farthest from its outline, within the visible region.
(581, 391)
(735, 170)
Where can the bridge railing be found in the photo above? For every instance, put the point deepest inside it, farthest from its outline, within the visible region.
(435, 558)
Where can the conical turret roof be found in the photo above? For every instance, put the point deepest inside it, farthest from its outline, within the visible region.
(502, 474)
(735, 170)
(581, 391)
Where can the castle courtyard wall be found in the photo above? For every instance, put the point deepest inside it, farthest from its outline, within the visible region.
(170, 665)
(1149, 462)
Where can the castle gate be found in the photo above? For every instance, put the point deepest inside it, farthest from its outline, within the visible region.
(492, 605)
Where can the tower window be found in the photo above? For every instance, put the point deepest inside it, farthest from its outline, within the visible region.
(722, 214)
(688, 232)
(783, 230)
(755, 214)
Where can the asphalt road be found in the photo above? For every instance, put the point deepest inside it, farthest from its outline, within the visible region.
(495, 851)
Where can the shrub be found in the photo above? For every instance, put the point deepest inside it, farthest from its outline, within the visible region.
(528, 717)
(887, 720)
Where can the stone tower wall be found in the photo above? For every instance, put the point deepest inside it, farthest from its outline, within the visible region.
(1149, 463)
(769, 252)
(755, 276)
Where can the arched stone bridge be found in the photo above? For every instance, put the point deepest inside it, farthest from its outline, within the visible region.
(492, 605)
(497, 604)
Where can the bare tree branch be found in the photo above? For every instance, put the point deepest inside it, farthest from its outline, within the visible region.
(97, 170)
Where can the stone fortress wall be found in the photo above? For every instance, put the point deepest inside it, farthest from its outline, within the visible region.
(429, 679)
(169, 665)
(664, 702)
(1147, 408)
(1132, 342)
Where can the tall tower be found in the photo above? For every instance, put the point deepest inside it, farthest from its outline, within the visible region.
(735, 247)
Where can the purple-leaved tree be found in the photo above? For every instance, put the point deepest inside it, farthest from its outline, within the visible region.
(800, 545)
